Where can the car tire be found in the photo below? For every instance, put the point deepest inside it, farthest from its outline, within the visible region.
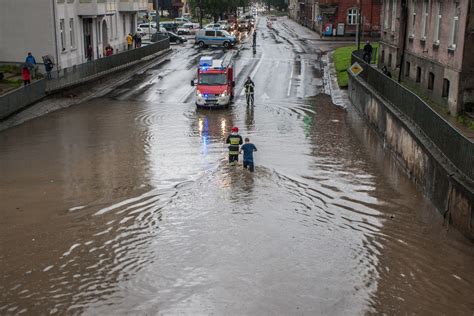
(178, 41)
(226, 44)
(201, 44)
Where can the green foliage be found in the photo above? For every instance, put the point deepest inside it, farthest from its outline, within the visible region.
(218, 8)
(342, 61)
(12, 69)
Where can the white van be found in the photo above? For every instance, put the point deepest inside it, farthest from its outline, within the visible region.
(214, 37)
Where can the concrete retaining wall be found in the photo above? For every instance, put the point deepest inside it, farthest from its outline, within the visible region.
(452, 194)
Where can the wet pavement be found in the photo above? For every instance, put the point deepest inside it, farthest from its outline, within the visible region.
(126, 204)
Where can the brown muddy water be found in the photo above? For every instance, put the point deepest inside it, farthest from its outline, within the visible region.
(119, 207)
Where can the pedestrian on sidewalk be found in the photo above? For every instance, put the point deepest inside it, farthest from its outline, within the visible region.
(129, 41)
(254, 38)
(48, 66)
(248, 148)
(31, 63)
(368, 52)
(25, 74)
(136, 40)
(89, 52)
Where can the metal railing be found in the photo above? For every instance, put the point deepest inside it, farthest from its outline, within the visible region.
(81, 73)
(454, 145)
(20, 98)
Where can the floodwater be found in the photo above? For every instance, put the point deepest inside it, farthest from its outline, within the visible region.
(126, 204)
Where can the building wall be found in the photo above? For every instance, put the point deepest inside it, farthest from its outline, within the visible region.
(106, 29)
(370, 15)
(26, 26)
(433, 61)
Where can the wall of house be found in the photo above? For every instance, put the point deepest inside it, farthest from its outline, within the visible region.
(26, 26)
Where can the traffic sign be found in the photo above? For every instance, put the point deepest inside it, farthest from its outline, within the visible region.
(356, 69)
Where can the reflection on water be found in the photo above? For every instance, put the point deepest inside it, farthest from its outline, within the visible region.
(118, 207)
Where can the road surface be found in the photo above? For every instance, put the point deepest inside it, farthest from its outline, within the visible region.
(126, 204)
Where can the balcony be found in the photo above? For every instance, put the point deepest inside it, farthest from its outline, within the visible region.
(96, 7)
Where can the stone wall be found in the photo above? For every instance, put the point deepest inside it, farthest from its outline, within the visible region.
(453, 197)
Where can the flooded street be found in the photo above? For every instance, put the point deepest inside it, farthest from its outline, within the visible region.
(126, 204)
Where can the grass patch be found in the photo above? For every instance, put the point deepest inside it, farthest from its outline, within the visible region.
(12, 69)
(342, 61)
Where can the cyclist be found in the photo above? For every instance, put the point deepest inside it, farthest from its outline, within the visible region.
(249, 91)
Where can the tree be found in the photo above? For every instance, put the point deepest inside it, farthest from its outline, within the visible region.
(218, 8)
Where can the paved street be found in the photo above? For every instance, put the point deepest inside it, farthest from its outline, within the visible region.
(126, 204)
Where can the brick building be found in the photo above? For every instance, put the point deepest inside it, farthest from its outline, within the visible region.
(338, 17)
(432, 41)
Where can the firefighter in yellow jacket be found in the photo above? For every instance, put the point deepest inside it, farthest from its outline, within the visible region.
(234, 140)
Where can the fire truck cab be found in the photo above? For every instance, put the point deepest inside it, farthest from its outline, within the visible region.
(215, 82)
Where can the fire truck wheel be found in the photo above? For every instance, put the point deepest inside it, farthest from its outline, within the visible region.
(201, 44)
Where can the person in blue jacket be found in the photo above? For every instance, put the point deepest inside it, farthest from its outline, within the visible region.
(248, 148)
(31, 64)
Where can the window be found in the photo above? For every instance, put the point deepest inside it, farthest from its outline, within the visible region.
(62, 34)
(455, 25)
(418, 74)
(407, 69)
(389, 62)
(438, 16)
(445, 88)
(124, 27)
(413, 19)
(424, 19)
(386, 22)
(72, 36)
(394, 15)
(210, 33)
(219, 33)
(352, 16)
(431, 78)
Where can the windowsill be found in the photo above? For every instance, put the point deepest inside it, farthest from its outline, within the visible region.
(64, 52)
(411, 37)
(451, 49)
(423, 40)
(436, 44)
(73, 49)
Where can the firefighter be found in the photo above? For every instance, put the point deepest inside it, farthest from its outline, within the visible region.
(249, 86)
(234, 140)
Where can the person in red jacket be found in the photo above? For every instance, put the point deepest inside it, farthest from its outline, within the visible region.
(25, 74)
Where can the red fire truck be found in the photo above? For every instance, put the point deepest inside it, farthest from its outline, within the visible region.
(215, 82)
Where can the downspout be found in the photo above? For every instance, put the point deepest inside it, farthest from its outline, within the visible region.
(405, 23)
(55, 37)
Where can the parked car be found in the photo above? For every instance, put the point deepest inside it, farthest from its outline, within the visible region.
(214, 37)
(175, 38)
(215, 26)
(169, 26)
(188, 29)
(182, 20)
(149, 27)
(141, 31)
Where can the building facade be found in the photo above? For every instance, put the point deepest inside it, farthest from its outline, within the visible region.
(67, 30)
(431, 40)
(338, 17)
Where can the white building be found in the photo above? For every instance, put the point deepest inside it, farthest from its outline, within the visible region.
(65, 28)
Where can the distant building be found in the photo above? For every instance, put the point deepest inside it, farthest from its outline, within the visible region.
(436, 40)
(64, 29)
(338, 17)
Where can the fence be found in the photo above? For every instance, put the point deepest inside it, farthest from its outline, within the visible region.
(20, 98)
(455, 146)
(80, 73)
(17, 99)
